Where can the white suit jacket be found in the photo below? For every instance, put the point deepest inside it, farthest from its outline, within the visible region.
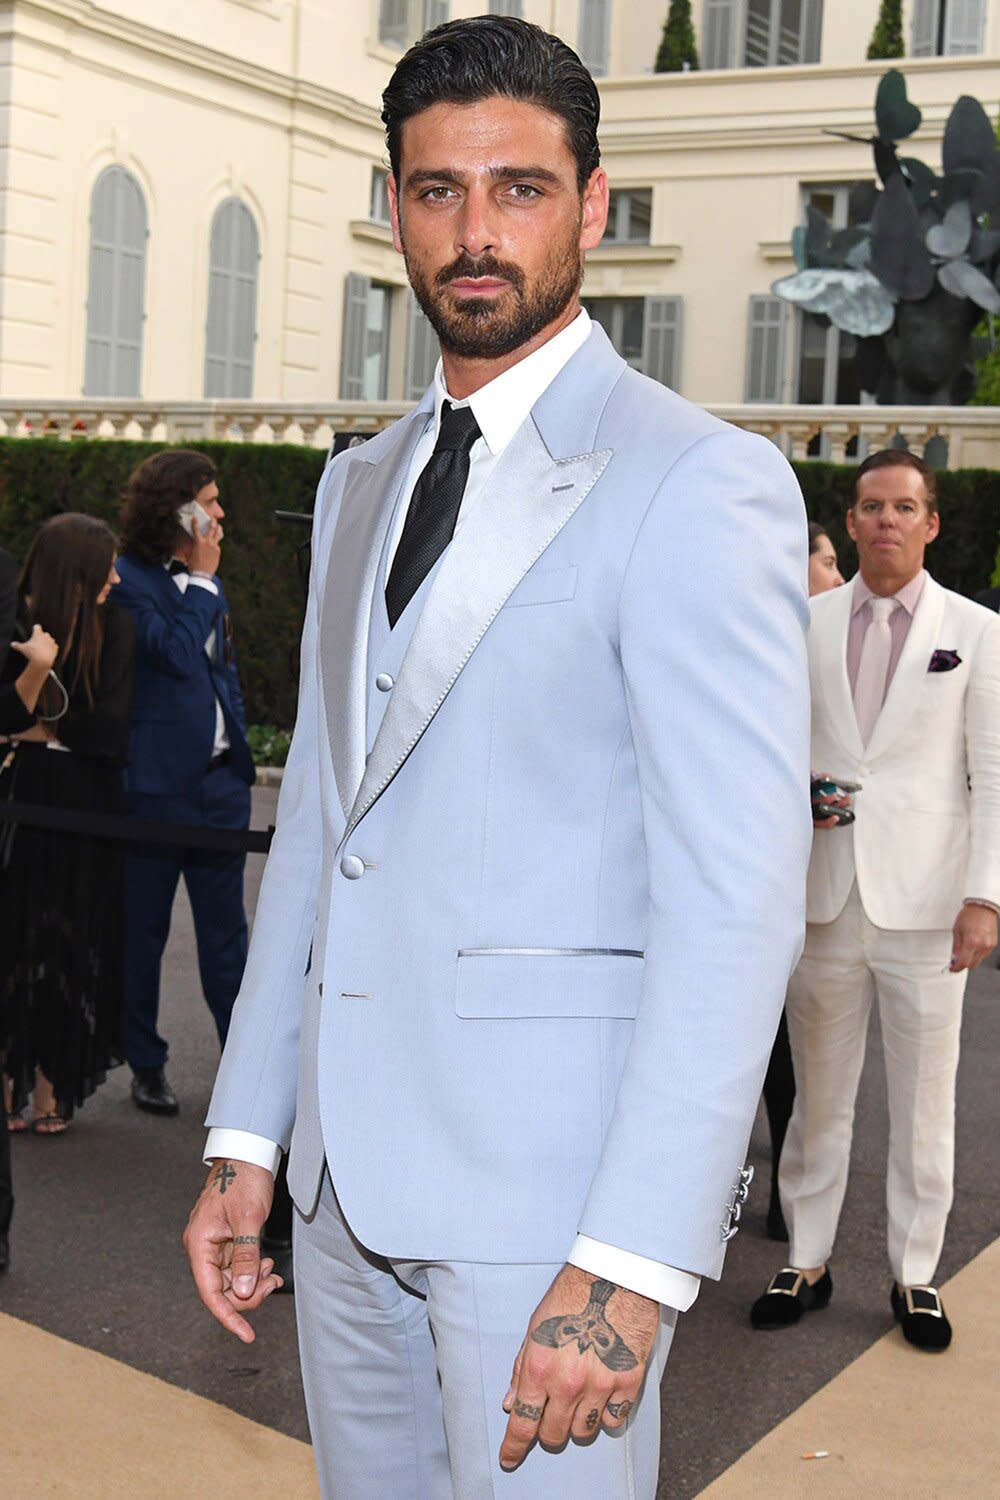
(553, 907)
(927, 828)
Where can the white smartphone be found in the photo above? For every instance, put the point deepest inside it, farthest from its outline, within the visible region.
(191, 515)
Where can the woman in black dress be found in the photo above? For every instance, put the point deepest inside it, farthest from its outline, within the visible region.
(61, 893)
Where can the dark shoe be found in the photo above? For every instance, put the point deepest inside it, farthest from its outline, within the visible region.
(280, 1251)
(788, 1296)
(4, 1250)
(152, 1092)
(921, 1315)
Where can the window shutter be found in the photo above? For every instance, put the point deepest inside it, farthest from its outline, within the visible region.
(812, 31)
(435, 13)
(422, 352)
(924, 33)
(506, 8)
(595, 17)
(354, 338)
(661, 352)
(766, 349)
(394, 22)
(115, 286)
(231, 330)
(719, 19)
(963, 28)
(760, 48)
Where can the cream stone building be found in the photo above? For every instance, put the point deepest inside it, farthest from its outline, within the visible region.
(193, 191)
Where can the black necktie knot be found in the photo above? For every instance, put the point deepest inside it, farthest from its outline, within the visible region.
(459, 429)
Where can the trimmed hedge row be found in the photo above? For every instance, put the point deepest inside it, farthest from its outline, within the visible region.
(261, 557)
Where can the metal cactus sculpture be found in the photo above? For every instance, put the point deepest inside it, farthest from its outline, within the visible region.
(920, 265)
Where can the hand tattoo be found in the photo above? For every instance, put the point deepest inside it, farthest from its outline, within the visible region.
(589, 1329)
(619, 1409)
(532, 1413)
(245, 1239)
(224, 1175)
(593, 1417)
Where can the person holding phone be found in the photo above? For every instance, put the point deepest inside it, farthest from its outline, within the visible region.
(189, 759)
(903, 891)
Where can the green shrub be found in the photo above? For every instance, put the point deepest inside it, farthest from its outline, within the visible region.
(260, 566)
(887, 38)
(268, 744)
(677, 52)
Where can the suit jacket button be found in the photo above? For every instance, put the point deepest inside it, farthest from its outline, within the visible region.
(383, 682)
(351, 867)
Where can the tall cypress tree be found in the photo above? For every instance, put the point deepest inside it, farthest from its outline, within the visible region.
(677, 51)
(887, 38)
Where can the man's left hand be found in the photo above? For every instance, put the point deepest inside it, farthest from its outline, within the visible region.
(974, 935)
(581, 1365)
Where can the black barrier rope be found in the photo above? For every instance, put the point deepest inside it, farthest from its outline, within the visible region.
(138, 830)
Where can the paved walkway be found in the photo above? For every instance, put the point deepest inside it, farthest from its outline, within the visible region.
(116, 1384)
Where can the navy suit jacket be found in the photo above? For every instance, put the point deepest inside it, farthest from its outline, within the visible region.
(176, 685)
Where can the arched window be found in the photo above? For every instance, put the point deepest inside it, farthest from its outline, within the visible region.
(116, 286)
(231, 326)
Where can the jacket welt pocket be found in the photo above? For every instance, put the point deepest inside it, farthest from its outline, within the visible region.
(546, 587)
(513, 983)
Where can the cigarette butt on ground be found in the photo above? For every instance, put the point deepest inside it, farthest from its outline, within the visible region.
(820, 1453)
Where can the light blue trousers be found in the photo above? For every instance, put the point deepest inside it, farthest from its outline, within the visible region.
(405, 1365)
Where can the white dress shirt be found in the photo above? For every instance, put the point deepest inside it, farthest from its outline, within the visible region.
(500, 408)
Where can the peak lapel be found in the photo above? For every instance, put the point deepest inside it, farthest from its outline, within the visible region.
(831, 623)
(532, 496)
(366, 508)
(905, 689)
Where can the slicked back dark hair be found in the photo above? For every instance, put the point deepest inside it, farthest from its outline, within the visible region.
(463, 62)
(899, 458)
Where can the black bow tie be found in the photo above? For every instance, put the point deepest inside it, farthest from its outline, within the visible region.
(176, 566)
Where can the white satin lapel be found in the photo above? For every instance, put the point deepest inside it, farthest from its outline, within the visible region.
(531, 498)
(905, 690)
(366, 509)
(830, 675)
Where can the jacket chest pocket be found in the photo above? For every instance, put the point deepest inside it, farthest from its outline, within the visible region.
(548, 586)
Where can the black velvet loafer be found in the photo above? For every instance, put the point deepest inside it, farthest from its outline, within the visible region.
(921, 1315)
(788, 1296)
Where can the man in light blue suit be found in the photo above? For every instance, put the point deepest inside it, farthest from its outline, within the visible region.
(537, 882)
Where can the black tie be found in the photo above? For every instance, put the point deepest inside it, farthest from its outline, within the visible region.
(176, 566)
(434, 506)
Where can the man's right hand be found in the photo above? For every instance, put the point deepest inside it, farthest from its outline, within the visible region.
(206, 550)
(222, 1241)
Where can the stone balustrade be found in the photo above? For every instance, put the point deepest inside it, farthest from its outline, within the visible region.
(954, 436)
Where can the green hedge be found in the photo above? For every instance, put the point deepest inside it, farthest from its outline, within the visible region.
(260, 568)
(260, 565)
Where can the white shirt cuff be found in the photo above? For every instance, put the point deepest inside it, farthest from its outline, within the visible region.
(202, 581)
(650, 1278)
(242, 1145)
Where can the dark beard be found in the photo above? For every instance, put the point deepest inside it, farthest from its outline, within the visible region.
(477, 328)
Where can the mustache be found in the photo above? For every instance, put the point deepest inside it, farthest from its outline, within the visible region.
(486, 265)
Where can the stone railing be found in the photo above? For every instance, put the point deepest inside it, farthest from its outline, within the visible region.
(954, 436)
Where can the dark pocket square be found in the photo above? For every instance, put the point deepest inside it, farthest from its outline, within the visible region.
(944, 661)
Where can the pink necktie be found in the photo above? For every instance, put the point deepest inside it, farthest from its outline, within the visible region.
(873, 667)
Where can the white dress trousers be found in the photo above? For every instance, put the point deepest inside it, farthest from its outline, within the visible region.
(847, 964)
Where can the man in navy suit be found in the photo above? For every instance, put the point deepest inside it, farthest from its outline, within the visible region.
(189, 762)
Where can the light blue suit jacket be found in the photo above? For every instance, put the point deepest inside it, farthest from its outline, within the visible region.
(553, 911)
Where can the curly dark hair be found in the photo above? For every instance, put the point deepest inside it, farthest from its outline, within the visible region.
(153, 495)
(462, 62)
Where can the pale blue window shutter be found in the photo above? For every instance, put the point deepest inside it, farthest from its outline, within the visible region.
(812, 31)
(231, 325)
(765, 374)
(661, 354)
(354, 338)
(422, 350)
(394, 22)
(719, 18)
(116, 286)
(924, 32)
(595, 25)
(963, 28)
(506, 8)
(435, 13)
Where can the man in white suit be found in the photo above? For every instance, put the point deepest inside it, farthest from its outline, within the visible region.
(534, 894)
(902, 902)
